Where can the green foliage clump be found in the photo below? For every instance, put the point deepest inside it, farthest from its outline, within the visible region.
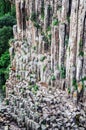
(33, 17)
(36, 24)
(55, 22)
(49, 7)
(5, 7)
(43, 58)
(7, 20)
(59, 7)
(4, 67)
(4, 60)
(68, 19)
(34, 88)
(81, 53)
(62, 71)
(49, 36)
(80, 43)
(53, 77)
(74, 83)
(5, 35)
(48, 29)
(69, 90)
(7, 101)
(44, 68)
(18, 77)
(66, 40)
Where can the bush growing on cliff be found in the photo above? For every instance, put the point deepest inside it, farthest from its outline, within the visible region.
(55, 22)
(33, 17)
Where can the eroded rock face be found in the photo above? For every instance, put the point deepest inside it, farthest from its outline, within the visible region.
(49, 46)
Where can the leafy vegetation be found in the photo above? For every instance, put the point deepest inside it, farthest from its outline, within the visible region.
(7, 20)
(43, 58)
(55, 22)
(34, 88)
(44, 68)
(53, 77)
(74, 83)
(5, 7)
(62, 71)
(33, 17)
(5, 35)
(81, 53)
(66, 40)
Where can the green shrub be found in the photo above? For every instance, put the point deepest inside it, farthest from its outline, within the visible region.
(4, 88)
(33, 17)
(5, 7)
(68, 19)
(35, 87)
(62, 71)
(69, 90)
(49, 36)
(44, 68)
(53, 77)
(74, 83)
(43, 58)
(55, 22)
(18, 77)
(48, 29)
(7, 20)
(81, 53)
(49, 7)
(80, 43)
(4, 60)
(37, 25)
(4, 68)
(5, 34)
(7, 101)
(66, 40)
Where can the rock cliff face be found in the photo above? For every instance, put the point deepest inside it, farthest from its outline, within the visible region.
(49, 46)
(48, 52)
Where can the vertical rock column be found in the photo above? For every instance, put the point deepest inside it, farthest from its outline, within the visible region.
(61, 44)
(62, 53)
(52, 50)
(84, 61)
(65, 9)
(56, 55)
(81, 50)
(80, 40)
(46, 18)
(23, 12)
(18, 17)
(56, 46)
(73, 47)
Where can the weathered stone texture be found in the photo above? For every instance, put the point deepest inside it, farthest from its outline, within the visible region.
(49, 46)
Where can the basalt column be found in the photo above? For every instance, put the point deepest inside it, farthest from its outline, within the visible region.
(49, 45)
(18, 17)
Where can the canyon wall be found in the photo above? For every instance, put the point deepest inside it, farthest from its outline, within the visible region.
(49, 46)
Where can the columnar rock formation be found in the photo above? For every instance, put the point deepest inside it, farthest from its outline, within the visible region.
(49, 45)
(48, 55)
